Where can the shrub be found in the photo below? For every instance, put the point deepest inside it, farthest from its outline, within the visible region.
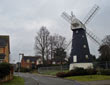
(91, 71)
(5, 69)
(77, 72)
(25, 70)
(61, 74)
(105, 72)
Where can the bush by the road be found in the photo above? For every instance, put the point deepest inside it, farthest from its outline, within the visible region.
(82, 71)
(61, 74)
(105, 72)
(5, 69)
(91, 71)
(25, 70)
(77, 72)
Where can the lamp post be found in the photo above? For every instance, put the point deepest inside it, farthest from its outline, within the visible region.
(19, 66)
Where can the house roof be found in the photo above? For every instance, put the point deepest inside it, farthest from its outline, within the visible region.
(2, 56)
(31, 58)
(4, 40)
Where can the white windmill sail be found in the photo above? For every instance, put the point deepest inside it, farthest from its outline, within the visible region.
(72, 19)
(91, 14)
(93, 36)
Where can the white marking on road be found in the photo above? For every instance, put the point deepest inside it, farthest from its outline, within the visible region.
(35, 80)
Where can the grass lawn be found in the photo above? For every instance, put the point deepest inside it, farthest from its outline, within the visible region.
(16, 81)
(89, 78)
(53, 73)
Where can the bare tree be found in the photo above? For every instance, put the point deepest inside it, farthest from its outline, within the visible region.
(105, 49)
(59, 41)
(56, 41)
(46, 44)
(42, 42)
(51, 46)
(106, 40)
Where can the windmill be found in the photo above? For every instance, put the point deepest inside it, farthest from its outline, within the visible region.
(80, 50)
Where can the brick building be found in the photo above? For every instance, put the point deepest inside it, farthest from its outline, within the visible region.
(4, 48)
(30, 61)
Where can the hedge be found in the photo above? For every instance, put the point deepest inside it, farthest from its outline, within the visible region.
(105, 72)
(5, 69)
(82, 71)
(77, 72)
(25, 70)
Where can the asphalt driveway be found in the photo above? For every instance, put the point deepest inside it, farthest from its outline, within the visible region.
(33, 79)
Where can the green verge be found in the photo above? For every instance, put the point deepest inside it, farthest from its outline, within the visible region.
(52, 73)
(89, 78)
(16, 81)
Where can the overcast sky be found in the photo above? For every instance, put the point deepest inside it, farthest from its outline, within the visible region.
(21, 19)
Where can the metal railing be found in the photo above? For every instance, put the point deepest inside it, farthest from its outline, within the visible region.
(104, 64)
(52, 68)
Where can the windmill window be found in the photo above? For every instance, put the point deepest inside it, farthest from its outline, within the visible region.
(82, 36)
(77, 31)
(75, 58)
(84, 46)
(86, 56)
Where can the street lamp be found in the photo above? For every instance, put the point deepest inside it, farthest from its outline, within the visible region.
(20, 61)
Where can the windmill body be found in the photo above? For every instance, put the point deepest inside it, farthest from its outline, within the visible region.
(80, 54)
(80, 50)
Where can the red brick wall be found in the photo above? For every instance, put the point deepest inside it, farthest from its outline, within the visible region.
(3, 50)
(24, 64)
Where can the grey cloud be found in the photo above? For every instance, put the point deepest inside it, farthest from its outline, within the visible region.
(21, 19)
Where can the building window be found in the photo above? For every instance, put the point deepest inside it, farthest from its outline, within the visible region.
(27, 66)
(32, 62)
(77, 31)
(28, 61)
(84, 46)
(39, 62)
(86, 56)
(1, 61)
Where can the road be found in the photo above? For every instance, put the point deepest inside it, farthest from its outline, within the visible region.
(33, 79)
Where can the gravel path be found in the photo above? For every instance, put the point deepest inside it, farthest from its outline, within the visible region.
(33, 79)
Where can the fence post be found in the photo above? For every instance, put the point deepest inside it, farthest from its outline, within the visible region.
(106, 65)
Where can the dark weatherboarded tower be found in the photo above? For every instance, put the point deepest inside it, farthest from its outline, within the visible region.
(80, 54)
(80, 51)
